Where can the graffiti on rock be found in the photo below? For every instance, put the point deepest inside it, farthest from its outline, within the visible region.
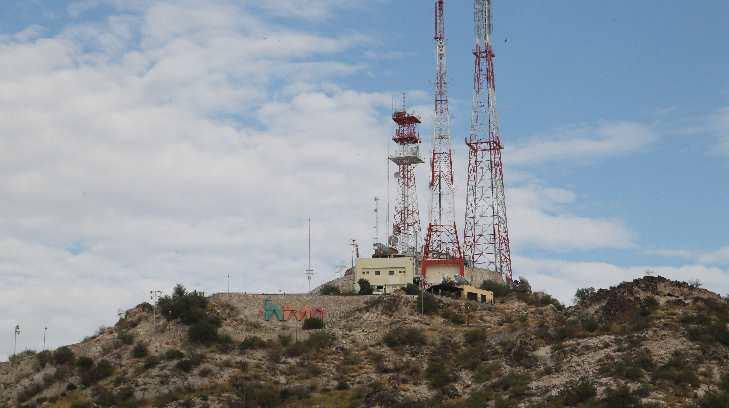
(271, 310)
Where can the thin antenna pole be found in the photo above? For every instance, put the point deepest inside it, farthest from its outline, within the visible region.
(309, 270)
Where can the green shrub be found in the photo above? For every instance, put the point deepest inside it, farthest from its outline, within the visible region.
(499, 289)
(543, 299)
(84, 363)
(330, 290)
(427, 304)
(203, 332)
(412, 289)
(312, 323)
(364, 287)
(125, 337)
(139, 350)
(151, 362)
(285, 340)
(405, 336)
(43, 358)
(486, 372)
(187, 364)
(189, 307)
(438, 374)
(174, 354)
(578, 392)
(103, 369)
(453, 317)
(621, 397)
(513, 383)
(678, 371)
(589, 324)
(475, 337)
(257, 394)
(63, 356)
(252, 342)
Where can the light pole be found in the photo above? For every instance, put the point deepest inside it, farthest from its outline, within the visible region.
(228, 284)
(45, 329)
(15, 341)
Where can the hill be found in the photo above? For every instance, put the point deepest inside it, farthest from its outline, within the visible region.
(650, 342)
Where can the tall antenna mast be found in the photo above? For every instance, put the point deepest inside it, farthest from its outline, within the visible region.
(377, 221)
(309, 271)
(441, 240)
(486, 234)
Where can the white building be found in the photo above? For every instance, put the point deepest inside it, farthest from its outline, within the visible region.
(385, 274)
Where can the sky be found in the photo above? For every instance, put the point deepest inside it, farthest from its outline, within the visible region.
(146, 143)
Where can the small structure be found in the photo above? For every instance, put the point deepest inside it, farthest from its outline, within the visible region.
(463, 291)
(385, 274)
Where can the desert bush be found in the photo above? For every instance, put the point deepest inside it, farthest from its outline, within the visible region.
(253, 342)
(475, 337)
(204, 332)
(499, 289)
(151, 362)
(364, 287)
(589, 324)
(63, 356)
(256, 394)
(124, 337)
(620, 397)
(29, 392)
(453, 316)
(577, 392)
(103, 369)
(706, 328)
(405, 336)
(139, 350)
(84, 363)
(632, 367)
(174, 354)
(486, 372)
(512, 383)
(330, 290)
(188, 307)
(427, 304)
(678, 371)
(43, 358)
(285, 340)
(544, 299)
(187, 364)
(312, 323)
(438, 374)
(315, 342)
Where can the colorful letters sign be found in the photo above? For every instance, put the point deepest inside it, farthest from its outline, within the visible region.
(271, 310)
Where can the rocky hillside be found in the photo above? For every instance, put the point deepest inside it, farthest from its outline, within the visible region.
(647, 343)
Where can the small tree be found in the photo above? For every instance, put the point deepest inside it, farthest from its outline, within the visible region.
(412, 289)
(329, 289)
(139, 350)
(583, 295)
(63, 355)
(364, 287)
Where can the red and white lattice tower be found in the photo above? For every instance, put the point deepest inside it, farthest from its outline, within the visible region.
(486, 234)
(406, 224)
(441, 247)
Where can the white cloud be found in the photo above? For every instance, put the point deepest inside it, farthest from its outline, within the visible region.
(171, 145)
(719, 125)
(539, 217)
(583, 143)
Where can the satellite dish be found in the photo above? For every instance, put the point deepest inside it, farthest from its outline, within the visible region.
(397, 174)
(393, 240)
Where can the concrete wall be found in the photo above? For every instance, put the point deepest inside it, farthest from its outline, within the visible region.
(476, 276)
(385, 274)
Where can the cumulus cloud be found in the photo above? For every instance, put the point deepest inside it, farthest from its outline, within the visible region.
(583, 143)
(174, 144)
(540, 218)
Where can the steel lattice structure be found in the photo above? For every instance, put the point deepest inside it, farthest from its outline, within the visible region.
(486, 234)
(441, 240)
(406, 223)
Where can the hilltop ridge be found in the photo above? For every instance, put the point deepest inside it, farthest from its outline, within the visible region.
(649, 342)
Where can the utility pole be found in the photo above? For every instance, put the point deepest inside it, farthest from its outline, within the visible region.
(154, 297)
(45, 329)
(228, 275)
(377, 221)
(309, 272)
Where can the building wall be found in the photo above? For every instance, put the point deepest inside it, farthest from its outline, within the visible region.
(435, 273)
(385, 274)
(476, 276)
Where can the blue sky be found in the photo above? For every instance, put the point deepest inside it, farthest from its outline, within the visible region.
(145, 143)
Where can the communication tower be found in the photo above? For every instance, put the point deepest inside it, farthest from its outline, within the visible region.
(441, 240)
(406, 222)
(486, 234)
